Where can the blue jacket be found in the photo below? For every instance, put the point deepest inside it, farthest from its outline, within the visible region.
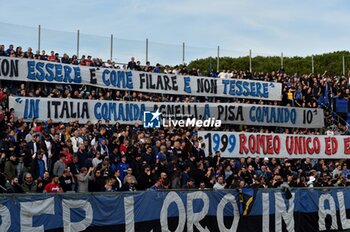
(123, 169)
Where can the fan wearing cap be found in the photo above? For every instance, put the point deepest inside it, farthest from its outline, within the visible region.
(266, 161)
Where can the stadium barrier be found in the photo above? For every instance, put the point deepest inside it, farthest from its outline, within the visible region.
(230, 210)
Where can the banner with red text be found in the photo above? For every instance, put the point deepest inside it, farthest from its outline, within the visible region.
(292, 146)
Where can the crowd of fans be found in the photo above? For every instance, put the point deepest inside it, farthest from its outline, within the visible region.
(100, 157)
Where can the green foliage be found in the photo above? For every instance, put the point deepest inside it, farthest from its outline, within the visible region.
(332, 62)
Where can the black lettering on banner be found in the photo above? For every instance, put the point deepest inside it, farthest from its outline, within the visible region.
(163, 82)
(55, 104)
(142, 80)
(68, 110)
(220, 111)
(224, 141)
(205, 85)
(174, 83)
(78, 110)
(9, 68)
(239, 114)
(85, 113)
(65, 110)
(48, 109)
(160, 83)
(166, 82)
(307, 117)
(208, 136)
(150, 84)
(195, 112)
(146, 78)
(177, 109)
(231, 113)
(14, 68)
(72, 113)
(93, 79)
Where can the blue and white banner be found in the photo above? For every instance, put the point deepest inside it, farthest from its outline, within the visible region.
(66, 110)
(305, 210)
(47, 72)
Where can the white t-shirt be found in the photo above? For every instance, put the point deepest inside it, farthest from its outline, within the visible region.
(218, 186)
(48, 145)
(76, 142)
(95, 162)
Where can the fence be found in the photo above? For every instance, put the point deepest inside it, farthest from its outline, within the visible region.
(120, 50)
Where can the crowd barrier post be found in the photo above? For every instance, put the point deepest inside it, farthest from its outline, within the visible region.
(39, 36)
(78, 42)
(218, 60)
(146, 50)
(111, 57)
(250, 60)
(183, 53)
(281, 60)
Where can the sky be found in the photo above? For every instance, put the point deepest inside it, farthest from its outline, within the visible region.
(269, 27)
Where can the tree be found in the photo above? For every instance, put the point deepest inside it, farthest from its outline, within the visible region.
(332, 62)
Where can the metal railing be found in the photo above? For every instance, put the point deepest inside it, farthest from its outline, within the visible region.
(76, 194)
(120, 50)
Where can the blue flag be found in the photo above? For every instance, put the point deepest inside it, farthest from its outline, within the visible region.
(246, 198)
(326, 95)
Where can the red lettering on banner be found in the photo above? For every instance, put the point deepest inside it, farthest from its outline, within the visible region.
(317, 145)
(277, 144)
(347, 146)
(331, 145)
(304, 145)
(242, 147)
(252, 143)
(289, 144)
(334, 145)
(298, 145)
(327, 146)
(269, 144)
(310, 150)
(259, 144)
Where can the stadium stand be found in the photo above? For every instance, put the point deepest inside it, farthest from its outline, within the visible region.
(45, 156)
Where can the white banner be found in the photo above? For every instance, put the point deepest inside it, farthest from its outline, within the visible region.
(65, 110)
(291, 146)
(47, 72)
